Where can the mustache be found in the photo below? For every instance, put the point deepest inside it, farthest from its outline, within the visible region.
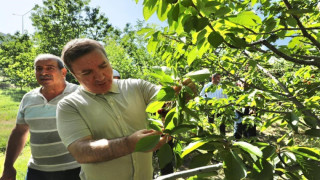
(45, 77)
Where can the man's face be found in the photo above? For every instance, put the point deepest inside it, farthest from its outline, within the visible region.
(94, 72)
(48, 73)
(216, 79)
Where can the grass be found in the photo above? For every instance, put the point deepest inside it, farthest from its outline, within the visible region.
(9, 104)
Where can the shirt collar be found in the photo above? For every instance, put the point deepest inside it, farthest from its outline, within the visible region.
(114, 88)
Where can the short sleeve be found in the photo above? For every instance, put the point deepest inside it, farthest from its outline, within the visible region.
(71, 126)
(149, 90)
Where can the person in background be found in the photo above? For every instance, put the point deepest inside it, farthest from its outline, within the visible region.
(116, 74)
(243, 129)
(49, 159)
(217, 94)
(102, 121)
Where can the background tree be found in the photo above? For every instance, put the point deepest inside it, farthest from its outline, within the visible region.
(128, 54)
(246, 41)
(57, 22)
(17, 53)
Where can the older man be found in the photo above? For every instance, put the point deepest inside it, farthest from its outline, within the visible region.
(104, 119)
(37, 113)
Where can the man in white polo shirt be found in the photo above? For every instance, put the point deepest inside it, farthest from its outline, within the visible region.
(50, 160)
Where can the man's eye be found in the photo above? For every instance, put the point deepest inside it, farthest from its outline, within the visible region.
(85, 73)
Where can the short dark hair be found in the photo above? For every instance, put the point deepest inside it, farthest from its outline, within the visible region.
(215, 75)
(77, 48)
(49, 57)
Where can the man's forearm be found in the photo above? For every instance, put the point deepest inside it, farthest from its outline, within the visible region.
(16, 142)
(89, 151)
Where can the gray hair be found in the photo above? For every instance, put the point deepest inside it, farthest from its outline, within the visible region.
(49, 57)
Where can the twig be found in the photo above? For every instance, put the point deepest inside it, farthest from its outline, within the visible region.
(303, 29)
(190, 172)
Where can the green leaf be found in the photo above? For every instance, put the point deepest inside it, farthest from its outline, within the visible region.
(200, 75)
(281, 138)
(201, 23)
(155, 127)
(313, 132)
(270, 24)
(268, 151)
(215, 39)
(307, 152)
(291, 21)
(182, 128)
(233, 167)
(249, 148)
(192, 55)
(222, 11)
(165, 155)
(186, 3)
(263, 170)
(189, 23)
(200, 160)
(246, 18)
(163, 10)
(236, 41)
(175, 12)
(191, 147)
(166, 93)
(154, 106)
(310, 168)
(149, 8)
(169, 118)
(147, 143)
(191, 113)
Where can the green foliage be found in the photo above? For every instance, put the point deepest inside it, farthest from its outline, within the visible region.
(268, 53)
(17, 55)
(57, 22)
(147, 143)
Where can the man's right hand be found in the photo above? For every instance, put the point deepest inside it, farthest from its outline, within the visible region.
(9, 174)
(135, 137)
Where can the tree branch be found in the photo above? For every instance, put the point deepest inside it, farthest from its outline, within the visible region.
(299, 105)
(190, 172)
(286, 57)
(302, 28)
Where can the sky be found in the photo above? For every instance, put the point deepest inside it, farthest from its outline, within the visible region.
(119, 13)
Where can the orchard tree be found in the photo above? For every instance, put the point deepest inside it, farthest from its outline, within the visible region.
(57, 22)
(128, 54)
(17, 53)
(273, 49)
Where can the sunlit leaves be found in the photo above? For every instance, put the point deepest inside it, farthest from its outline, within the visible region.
(155, 106)
(200, 75)
(149, 7)
(249, 148)
(166, 93)
(192, 146)
(246, 18)
(307, 152)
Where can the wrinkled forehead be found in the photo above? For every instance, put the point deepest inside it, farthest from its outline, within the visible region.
(46, 62)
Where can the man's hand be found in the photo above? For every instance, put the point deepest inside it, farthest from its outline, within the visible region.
(9, 174)
(135, 137)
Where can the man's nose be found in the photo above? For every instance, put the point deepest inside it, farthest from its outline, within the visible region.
(99, 76)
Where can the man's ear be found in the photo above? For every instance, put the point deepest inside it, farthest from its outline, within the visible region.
(64, 72)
